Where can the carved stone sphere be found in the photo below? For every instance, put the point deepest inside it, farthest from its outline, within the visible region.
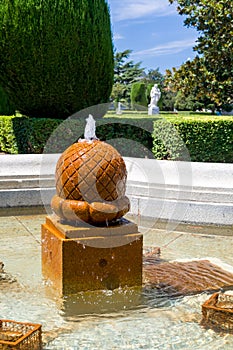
(91, 171)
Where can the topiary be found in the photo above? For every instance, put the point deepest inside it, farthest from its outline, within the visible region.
(56, 55)
(138, 95)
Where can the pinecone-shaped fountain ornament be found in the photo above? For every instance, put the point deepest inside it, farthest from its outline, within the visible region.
(90, 181)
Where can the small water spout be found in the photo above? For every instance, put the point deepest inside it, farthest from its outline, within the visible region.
(89, 133)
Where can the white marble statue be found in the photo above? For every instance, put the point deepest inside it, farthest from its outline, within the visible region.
(155, 95)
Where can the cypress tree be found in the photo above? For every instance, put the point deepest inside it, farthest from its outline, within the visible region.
(56, 56)
(6, 108)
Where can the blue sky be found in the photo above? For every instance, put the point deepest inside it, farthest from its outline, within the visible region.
(155, 32)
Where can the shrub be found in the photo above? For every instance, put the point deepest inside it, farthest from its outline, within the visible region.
(8, 138)
(206, 141)
(56, 56)
(148, 90)
(191, 139)
(138, 95)
(131, 138)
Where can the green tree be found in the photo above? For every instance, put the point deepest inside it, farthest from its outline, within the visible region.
(126, 72)
(183, 103)
(167, 100)
(212, 68)
(154, 76)
(192, 78)
(56, 57)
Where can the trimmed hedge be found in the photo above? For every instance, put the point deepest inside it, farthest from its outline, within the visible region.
(195, 140)
(206, 141)
(36, 135)
(130, 138)
(138, 95)
(8, 142)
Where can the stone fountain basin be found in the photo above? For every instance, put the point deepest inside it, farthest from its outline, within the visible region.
(152, 317)
(177, 191)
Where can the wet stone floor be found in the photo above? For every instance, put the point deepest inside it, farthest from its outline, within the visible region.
(129, 318)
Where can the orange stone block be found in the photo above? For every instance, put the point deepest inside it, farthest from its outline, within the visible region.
(78, 259)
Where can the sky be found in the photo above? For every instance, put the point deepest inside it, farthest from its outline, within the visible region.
(154, 31)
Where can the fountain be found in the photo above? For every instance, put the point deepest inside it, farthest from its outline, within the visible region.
(92, 253)
(86, 243)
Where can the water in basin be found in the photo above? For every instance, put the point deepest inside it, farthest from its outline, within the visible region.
(133, 318)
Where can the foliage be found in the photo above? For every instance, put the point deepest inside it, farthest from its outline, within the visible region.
(206, 141)
(56, 56)
(205, 138)
(6, 108)
(120, 92)
(210, 73)
(131, 137)
(8, 142)
(148, 90)
(193, 81)
(126, 72)
(13, 134)
(138, 95)
(167, 101)
(154, 76)
(167, 143)
(186, 103)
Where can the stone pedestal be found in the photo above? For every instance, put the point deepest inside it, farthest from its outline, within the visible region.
(153, 110)
(78, 259)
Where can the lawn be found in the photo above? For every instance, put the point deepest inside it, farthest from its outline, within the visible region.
(169, 116)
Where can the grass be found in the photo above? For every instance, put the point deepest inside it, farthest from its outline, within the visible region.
(168, 115)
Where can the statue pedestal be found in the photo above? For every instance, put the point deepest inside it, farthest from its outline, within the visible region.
(78, 259)
(153, 110)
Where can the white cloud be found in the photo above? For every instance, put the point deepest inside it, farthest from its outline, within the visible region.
(166, 49)
(133, 9)
(117, 36)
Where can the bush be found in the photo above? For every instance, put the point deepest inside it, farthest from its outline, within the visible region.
(148, 90)
(206, 141)
(167, 101)
(8, 142)
(56, 56)
(130, 138)
(138, 95)
(36, 135)
(195, 140)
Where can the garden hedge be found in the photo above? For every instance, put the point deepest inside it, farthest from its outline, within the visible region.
(206, 141)
(195, 140)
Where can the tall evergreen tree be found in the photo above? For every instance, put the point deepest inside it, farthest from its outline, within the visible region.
(56, 56)
(6, 108)
(126, 72)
